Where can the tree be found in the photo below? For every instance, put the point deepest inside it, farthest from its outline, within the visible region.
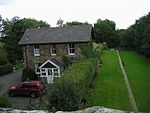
(126, 38)
(12, 32)
(138, 35)
(60, 23)
(104, 31)
(75, 23)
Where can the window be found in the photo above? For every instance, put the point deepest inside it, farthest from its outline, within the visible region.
(56, 74)
(43, 72)
(36, 66)
(36, 50)
(22, 86)
(53, 50)
(71, 49)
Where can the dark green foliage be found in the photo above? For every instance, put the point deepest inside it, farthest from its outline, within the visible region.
(4, 102)
(126, 38)
(29, 74)
(6, 69)
(12, 32)
(75, 23)
(3, 57)
(145, 49)
(137, 36)
(87, 50)
(68, 92)
(104, 31)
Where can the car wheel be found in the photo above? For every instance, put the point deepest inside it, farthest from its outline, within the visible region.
(11, 94)
(33, 95)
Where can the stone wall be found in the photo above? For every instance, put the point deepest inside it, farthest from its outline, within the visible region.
(45, 54)
(96, 109)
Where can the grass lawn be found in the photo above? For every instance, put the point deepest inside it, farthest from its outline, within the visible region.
(109, 88)
(138, 70)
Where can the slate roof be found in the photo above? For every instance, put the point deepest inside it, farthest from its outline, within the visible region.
(77, 33)
(57, 62)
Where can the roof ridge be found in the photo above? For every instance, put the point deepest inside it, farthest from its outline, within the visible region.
(59, 27)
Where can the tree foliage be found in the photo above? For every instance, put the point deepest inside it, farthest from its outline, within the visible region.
(104, 31)
(137, 36)
(75, 23)
(60, 23)
(13, 30)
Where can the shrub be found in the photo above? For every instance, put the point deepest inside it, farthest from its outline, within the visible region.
(3, 55)
(145, 49)
(6, 69)
(88, 50)
(70, 90)
(4, 102)
(29, 74)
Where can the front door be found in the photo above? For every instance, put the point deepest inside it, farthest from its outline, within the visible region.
(50, 75)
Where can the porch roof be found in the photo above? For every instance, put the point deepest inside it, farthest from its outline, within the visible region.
(52, 63)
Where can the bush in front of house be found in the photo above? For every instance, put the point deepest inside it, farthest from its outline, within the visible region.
(6, 69)
(70, 91)
(29, 74)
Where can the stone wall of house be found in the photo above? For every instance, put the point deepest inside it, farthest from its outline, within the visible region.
(96, 109)
(45, 53)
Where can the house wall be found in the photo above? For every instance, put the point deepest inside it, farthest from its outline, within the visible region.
(45, 53)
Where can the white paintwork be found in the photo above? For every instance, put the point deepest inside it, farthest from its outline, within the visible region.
(49, 76)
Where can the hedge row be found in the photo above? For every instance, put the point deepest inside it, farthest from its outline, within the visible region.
(6, 69)
(69, 92)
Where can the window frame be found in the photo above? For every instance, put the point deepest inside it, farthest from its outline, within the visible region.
(43, 70)
(36, 67)
(53, 49)
(36, 50)
(71, 47)
(56, 72)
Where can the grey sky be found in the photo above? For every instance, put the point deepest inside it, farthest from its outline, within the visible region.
(123, 12)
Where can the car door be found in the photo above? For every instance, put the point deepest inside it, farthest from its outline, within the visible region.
(28, 89)
(21, 90)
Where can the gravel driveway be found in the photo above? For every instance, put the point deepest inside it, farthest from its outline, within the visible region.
(12, 79)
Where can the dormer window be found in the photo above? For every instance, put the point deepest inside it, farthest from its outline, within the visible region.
(53, 50)
(36, 50)
(71, 49)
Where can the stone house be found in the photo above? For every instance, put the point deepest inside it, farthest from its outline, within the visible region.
(47, 50)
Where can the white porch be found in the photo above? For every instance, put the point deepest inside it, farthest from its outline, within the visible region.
(49, 70)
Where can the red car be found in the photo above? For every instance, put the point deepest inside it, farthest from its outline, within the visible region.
(30, 88)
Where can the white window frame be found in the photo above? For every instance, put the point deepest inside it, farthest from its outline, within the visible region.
(53, 49)
(41, 70)
(58, 72)
(36, 50)
(70, 49)
(37, 70)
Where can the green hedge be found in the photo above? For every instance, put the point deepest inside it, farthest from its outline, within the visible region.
(87, 50)
(4, 102)
(3, 57)
(29, 74)
(70, 90)
(6, 69)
